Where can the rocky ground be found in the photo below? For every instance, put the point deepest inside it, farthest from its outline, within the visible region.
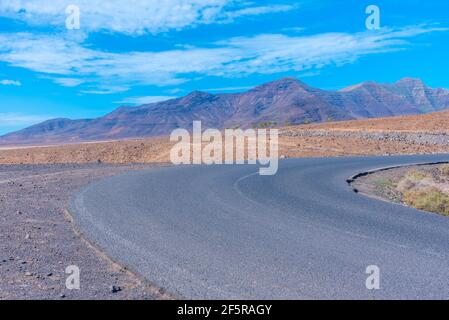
(410, 138)
(431, 123)
(293, 143)
(38, 240)
(150, 150)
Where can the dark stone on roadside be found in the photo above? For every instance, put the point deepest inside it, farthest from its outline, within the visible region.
(115, 289)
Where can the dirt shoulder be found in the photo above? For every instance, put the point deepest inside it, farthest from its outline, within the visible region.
(424, 187)
(38, 242)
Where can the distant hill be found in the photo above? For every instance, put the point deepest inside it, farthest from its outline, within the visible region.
(287, 100)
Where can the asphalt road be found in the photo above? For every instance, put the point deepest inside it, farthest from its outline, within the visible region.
(226, 232)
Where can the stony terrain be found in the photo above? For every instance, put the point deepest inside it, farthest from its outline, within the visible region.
(431, 123)
(291, 144)
(423, 139)
(38, 240)
(151, 150)
(332, 139)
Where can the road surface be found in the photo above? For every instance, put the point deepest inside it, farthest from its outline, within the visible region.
(224, 232)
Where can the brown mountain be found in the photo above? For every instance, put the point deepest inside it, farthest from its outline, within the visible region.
(282, 101)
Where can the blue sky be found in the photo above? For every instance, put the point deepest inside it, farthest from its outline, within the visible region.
(150, 50)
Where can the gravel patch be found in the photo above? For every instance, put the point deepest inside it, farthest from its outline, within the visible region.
(405, 137)
(38, 241)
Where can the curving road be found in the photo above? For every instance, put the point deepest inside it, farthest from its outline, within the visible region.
(225, 232)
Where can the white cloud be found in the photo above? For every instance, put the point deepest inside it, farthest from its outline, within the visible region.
(68, 82)
(145, 100)
(229, 89)
(294, 29)
(18, 119)
(254, 11)
(134, 16)
(103, 90)
(108, 72)
(174, 91)
(10, 83)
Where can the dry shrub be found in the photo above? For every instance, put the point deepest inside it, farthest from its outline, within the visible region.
(444, 170)
(416, 175)
(406, 184)
(428, 199)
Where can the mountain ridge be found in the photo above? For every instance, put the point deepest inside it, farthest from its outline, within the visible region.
(287, 100)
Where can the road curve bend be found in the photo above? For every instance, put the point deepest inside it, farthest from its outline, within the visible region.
(224, 232)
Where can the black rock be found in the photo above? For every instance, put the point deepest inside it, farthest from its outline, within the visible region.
(115, 289)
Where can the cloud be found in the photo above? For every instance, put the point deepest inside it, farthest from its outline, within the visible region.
(145, 100)
(109, 72)
(229, 89)
(174, 91)
(68, 82)
(18, 119)
(59, 56)
(137, 16)
(254, 11)
(294, 29)
(103, 90)
(10, 83)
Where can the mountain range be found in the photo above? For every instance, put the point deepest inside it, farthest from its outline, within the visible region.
(285, 101)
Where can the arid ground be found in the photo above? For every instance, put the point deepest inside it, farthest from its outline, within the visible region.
(387, 136)
(38, 240)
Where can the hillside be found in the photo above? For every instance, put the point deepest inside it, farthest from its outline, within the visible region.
(286, 101)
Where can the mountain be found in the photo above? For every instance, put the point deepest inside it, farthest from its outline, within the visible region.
(286, 100)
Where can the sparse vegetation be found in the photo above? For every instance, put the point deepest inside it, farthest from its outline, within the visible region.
(416, 175)
(386, 183)
(444, 170)
(265, 125)
(428, 199)
(423, 187)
